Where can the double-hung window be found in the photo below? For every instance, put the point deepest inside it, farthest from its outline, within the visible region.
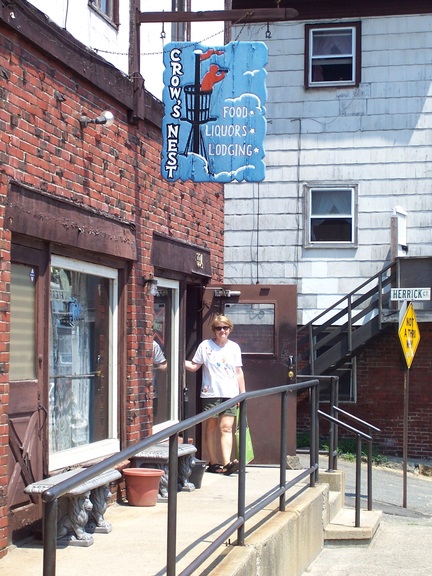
(332, 55)
(331, 216)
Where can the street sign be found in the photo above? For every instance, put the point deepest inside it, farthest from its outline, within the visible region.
(410, 294)
(409, 334)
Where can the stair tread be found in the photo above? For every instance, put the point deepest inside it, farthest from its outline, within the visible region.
(342, 526)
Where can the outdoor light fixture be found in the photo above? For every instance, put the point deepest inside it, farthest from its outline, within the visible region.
(106, 118)
(151, 286)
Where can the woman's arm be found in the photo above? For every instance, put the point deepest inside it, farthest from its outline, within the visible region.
(191, 366)
(240, 379)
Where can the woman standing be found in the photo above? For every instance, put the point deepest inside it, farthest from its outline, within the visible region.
(222, 378)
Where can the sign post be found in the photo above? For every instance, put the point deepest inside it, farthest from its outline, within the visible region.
(409, 336)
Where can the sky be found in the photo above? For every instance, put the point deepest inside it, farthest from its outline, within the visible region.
(152, 45)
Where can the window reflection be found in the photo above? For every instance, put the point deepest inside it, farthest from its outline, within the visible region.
(162, 326)
(79, 358)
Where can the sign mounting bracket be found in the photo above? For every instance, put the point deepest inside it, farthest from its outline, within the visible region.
(244, 16)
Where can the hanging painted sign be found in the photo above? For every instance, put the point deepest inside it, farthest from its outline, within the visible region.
(214, 123)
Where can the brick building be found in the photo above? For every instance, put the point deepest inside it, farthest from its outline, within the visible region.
(87, 229)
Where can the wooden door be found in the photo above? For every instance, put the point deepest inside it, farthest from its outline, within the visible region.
(27, 407)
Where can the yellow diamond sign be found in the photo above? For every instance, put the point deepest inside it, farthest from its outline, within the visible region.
(409, 334)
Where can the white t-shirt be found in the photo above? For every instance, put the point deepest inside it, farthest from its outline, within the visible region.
(219, 379)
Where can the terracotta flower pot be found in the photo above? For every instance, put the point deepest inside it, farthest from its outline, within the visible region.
(142, 485)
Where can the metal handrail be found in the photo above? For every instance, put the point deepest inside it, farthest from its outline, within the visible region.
(370, 427)
(343, 311)
(335, 422)
(359, 435)
(334, 403)
(377, 276)
(51, 495)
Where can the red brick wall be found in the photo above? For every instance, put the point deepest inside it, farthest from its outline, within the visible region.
(114, 171)
(380, 394)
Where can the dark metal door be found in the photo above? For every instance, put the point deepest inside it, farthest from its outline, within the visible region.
(27, 413)
(265, 326)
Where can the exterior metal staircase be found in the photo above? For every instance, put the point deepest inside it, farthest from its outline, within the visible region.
(338, 334)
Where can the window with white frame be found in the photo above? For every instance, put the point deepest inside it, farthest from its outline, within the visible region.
(331, 216)
(83, 362)
(332, 55)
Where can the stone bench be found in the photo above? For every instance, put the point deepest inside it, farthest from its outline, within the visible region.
(157, 456)
(81, 510)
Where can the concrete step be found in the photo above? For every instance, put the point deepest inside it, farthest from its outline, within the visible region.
(341, 530)
(335, 503)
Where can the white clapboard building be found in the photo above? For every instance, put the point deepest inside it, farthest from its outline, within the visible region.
(347, 193)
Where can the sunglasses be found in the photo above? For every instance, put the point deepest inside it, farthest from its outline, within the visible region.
(219, 328)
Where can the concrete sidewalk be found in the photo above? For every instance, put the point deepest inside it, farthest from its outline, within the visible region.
(138, 538)
(402, 545)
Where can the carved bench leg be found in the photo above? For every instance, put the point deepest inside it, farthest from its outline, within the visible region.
(72, 518)
(185, 470)
(99, 498)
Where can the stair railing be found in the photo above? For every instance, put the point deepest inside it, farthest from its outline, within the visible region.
(360, 436)
(370, 429)
(344, 317)
(333, 417)
(50, 496)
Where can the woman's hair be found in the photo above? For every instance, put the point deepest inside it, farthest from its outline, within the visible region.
(221, 318)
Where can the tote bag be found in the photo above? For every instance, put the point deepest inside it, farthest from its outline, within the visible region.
(249, 446)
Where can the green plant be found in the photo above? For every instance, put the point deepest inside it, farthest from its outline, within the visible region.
(303, 439)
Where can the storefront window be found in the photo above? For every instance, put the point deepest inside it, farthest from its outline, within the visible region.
(83, 338)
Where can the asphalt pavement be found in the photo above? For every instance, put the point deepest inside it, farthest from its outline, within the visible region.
(403, 542)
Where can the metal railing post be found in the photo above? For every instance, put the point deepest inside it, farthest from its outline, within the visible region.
(350, 327)
(336, 430)
(358, 482)
(49, 532)
(314, 452)
(311, 349)
(283, 449)
(369, 475)
(172, 505)
(332, 427)
(241, 504)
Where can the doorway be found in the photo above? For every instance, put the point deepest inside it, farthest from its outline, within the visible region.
(265, 327)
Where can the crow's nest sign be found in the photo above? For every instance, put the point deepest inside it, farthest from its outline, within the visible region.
(214, 123)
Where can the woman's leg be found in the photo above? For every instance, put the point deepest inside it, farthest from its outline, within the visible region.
(210, 438)
(226, 423)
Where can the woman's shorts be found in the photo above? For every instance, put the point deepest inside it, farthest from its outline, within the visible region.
(208, 403)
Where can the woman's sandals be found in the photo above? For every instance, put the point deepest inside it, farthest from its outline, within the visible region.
(215, 469)
(228, 469)
(231, 468)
